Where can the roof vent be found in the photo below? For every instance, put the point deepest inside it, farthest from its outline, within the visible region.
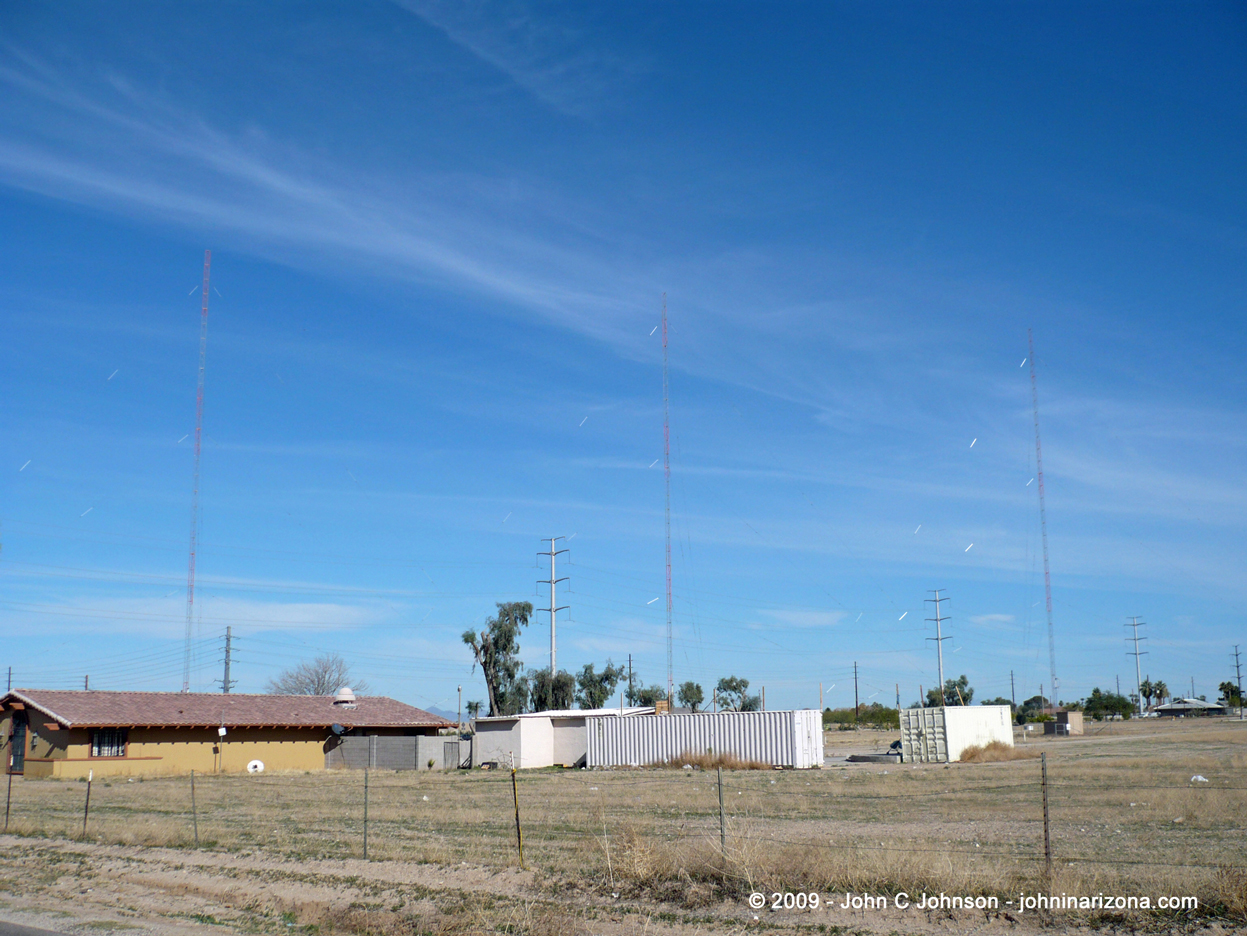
(345, 696)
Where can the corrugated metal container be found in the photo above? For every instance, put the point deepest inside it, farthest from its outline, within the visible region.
(939, 735)
(782, 739)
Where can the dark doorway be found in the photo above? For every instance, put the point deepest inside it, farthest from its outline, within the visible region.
(17, 757)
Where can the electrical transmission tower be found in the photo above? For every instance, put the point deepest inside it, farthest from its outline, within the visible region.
(554, 610)
(199, 425)
(1136, 653)
(666, 470)
(1043, 524)
(939, 637)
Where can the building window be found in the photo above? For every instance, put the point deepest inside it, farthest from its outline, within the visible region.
(108, 742)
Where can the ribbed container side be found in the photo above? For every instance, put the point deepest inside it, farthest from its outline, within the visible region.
(782, 739)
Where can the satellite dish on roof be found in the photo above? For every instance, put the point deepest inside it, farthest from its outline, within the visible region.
(256, 766)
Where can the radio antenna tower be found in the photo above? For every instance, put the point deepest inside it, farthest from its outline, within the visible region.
(666, 470)
(1043, 526)
(199, 426)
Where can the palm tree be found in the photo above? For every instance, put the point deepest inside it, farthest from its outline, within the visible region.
(1147, 690)
(1161, 690)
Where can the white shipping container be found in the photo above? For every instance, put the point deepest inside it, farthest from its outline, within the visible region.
(782, 739)
(939, 735)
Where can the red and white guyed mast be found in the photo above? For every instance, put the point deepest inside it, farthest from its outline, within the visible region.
(199, 425)
(666, 468)
(1043, 525)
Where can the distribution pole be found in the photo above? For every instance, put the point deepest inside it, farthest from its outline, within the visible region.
(631, 697)
(227, 684)
(199, 425)
(554, 610)
(1043, 522)
(1013, 692)
(1138, 673)
(666, 470)
(856, 705)
(1238, 669)
(939, 637)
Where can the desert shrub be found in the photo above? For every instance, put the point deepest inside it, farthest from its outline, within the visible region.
(995, 751)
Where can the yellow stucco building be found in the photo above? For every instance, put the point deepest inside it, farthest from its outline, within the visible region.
(66, 734)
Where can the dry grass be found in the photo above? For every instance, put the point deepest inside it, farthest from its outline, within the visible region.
(712, 761)
(1126, 818)
(994, 752)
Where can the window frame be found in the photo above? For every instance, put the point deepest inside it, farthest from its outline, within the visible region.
(120, 738)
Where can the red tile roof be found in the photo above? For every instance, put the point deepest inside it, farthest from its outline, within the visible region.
(82, 709)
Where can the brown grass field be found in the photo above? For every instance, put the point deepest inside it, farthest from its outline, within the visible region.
(640, 850)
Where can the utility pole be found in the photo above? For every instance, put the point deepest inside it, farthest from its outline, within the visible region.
(1118, 678)
(1192, 687)
(554, 610)
(856, 705)
(1138, 675)
(1013, 693)
(631, 697)
(939, 637)
(898, 697)
(1238, 670)
(226, 683)
(86, 683)
(459, 723)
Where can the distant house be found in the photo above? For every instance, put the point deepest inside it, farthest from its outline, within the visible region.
(65, 734)
(1190, 707)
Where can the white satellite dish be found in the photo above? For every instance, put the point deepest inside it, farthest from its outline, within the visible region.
(256, 766)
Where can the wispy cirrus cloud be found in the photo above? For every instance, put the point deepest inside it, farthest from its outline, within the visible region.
(541, 51)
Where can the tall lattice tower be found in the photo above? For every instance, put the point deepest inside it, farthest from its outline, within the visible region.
(1043, 525)
(199, 426)
(666, 470)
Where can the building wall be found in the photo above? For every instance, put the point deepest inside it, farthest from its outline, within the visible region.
(396, 753)
(529, 739)
(570, 740)
(162, 751)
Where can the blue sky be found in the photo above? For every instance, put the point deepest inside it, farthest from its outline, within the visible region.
(441, 237)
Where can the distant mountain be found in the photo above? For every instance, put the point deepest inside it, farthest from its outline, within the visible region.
(433, 710)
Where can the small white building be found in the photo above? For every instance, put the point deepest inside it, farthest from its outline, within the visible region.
(939, 735)
(539, 739)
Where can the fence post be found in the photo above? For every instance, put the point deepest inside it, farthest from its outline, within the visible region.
(515, 796)
(365, 813)
(86, 807)
(722, 818)
(194, 810)
(1047, 841)
(8, 797)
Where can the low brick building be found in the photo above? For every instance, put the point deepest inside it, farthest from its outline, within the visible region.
(65, 734)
